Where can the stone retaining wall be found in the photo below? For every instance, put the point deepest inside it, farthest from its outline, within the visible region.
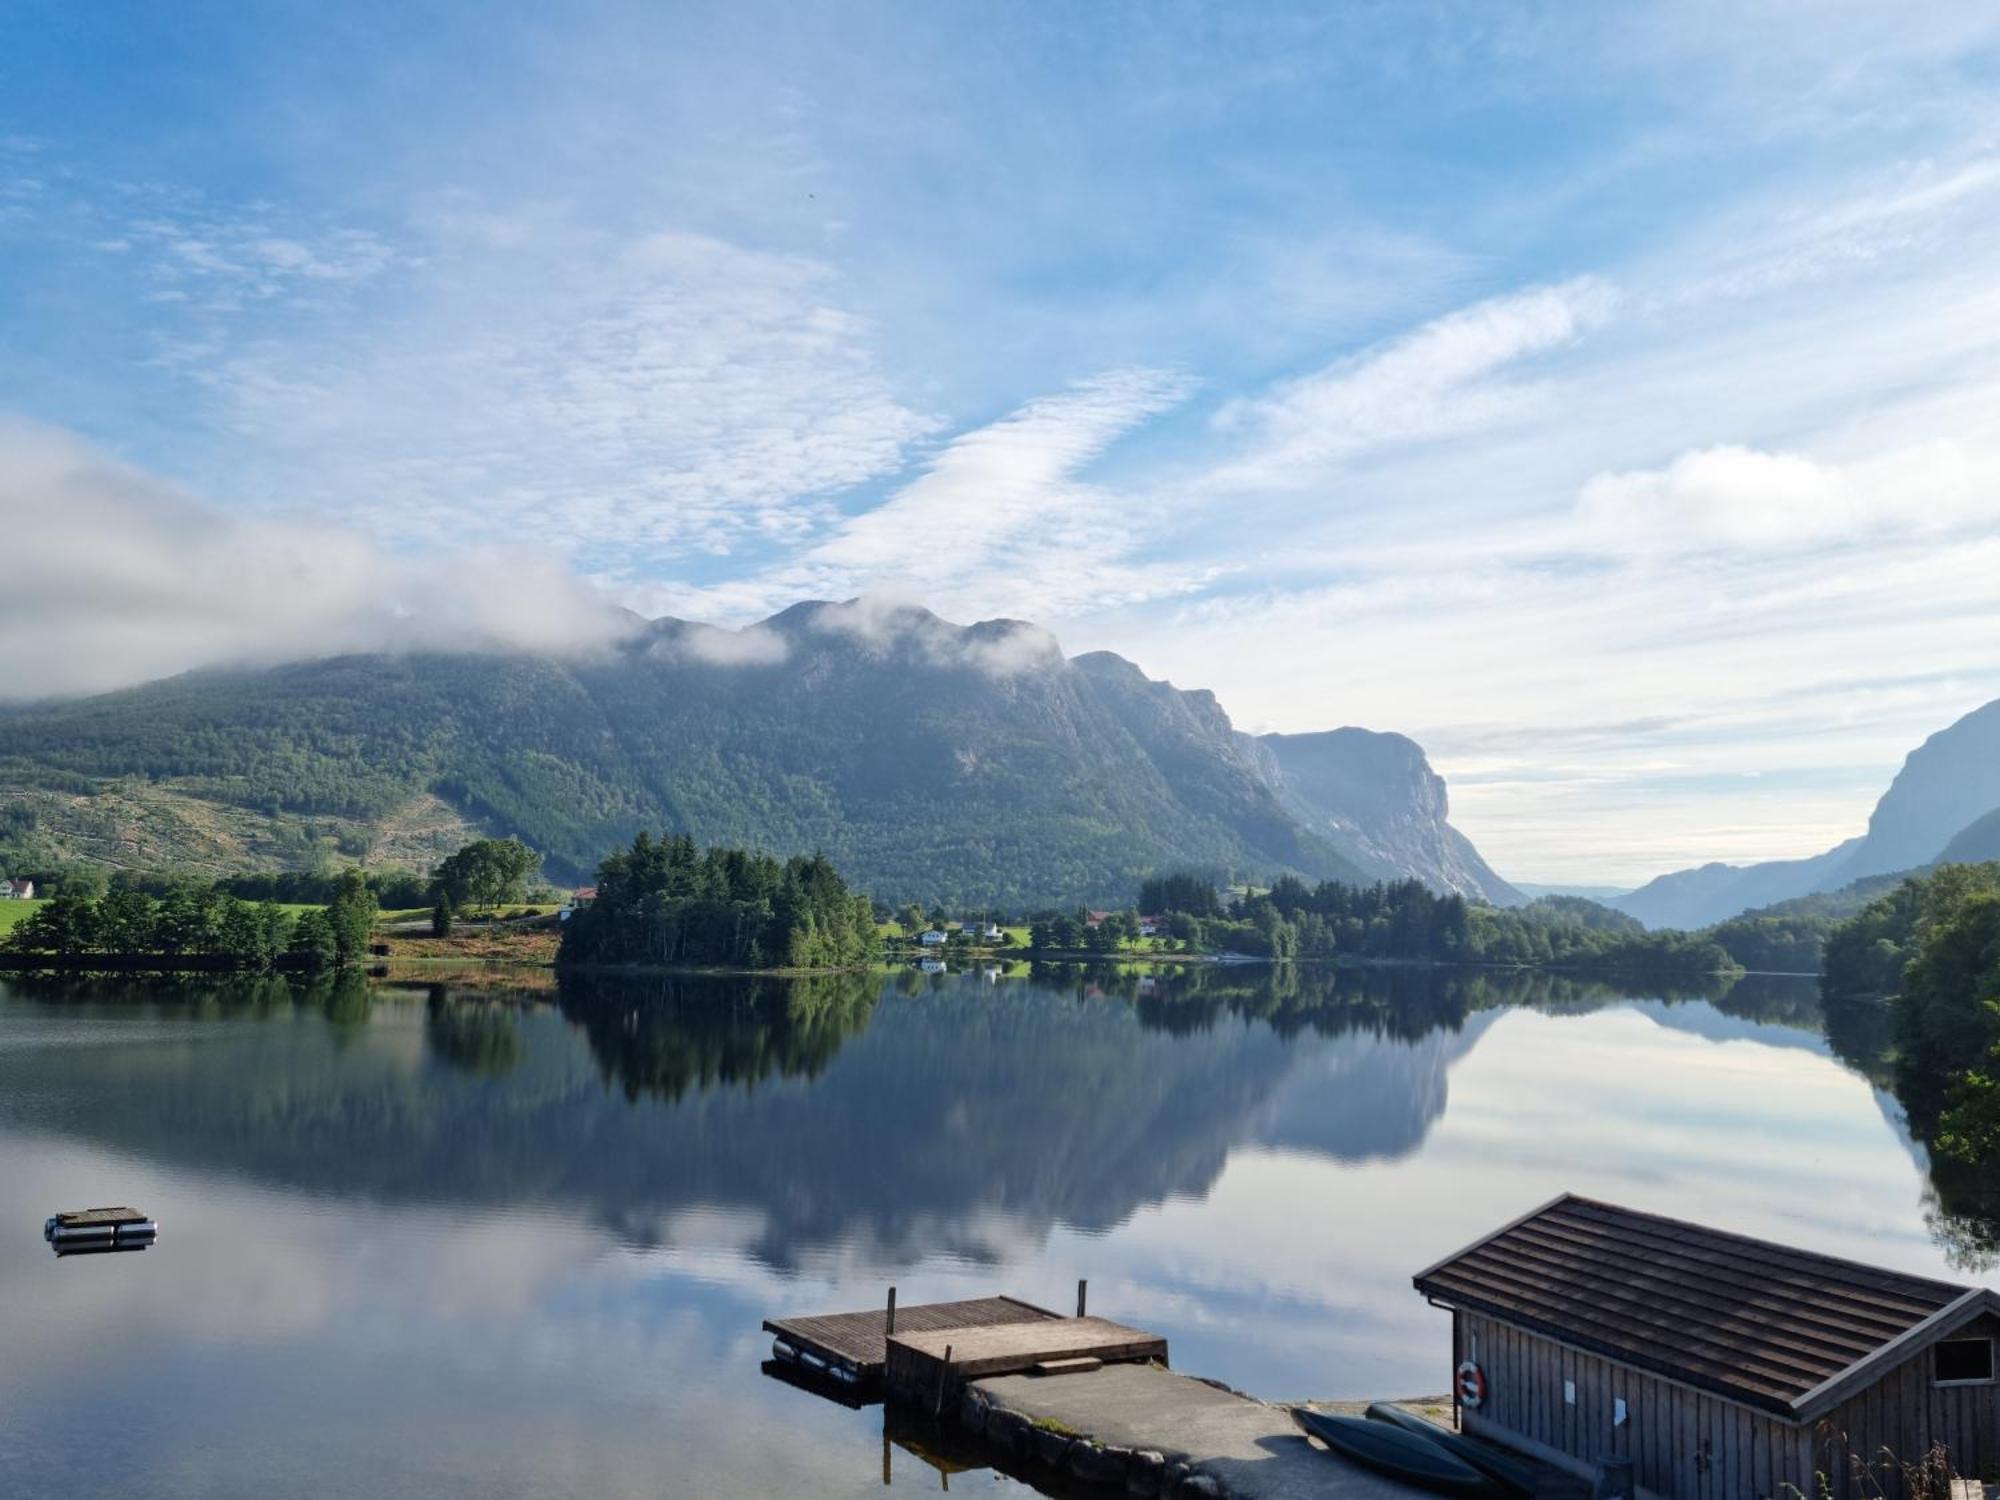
(1135, 1471)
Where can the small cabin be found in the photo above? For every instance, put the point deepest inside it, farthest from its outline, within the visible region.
(1719, 1365)
(931, 938)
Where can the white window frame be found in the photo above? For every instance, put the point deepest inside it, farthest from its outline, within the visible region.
(1992, 1360)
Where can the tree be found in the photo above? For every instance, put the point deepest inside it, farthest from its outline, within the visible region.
(442, 916)
(125, 921)
(667, 902)
(1181, 891)
(68, 924)
(240, 933)
(351, 916)
(486, 873)
(312, 942)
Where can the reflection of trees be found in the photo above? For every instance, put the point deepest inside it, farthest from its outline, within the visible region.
(194, 996)
(476, 1035)
(1401, 1001)
(1964, 1216)
(1861, 1031)
(1770, 999)
(662, 1035)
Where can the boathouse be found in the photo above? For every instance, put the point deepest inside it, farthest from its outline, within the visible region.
(1720, 1366)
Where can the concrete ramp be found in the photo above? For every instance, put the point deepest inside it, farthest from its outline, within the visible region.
(1200, 1439)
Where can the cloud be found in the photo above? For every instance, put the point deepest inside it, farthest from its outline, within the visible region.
(886, 622)
(1001, 521)
(192, 250)
(651, 398)
(1428, 383)
(752, 646)
(116, 579)
(1737, 497)
(997, 484)
(1913, 210)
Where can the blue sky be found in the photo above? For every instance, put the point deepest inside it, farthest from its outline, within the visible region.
(1604, 396)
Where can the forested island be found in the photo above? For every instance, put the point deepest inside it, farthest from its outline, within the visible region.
(668, 902)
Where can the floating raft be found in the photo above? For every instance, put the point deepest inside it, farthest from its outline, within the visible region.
(89, 1230)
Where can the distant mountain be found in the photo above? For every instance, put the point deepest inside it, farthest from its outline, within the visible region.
(1943, 804)
(1976, 843)
(967, 764)
(1714, 893)
(1532, 889)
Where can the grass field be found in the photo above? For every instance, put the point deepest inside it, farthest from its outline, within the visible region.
(506, 908)
(14, 913)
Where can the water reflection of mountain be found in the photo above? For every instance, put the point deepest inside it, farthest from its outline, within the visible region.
(900, 1118)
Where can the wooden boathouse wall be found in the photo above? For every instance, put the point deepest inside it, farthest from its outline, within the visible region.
(1689, 1444)
(1685, 1444)
(1906, 1411)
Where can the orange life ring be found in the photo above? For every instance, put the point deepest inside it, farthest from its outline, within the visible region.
(1471, 1384)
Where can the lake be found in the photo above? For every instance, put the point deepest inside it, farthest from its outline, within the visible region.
(423, 1241)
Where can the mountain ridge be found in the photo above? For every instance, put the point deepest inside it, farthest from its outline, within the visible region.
(932, 761)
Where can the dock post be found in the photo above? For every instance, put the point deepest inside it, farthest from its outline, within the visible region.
(889, 1325)
(1082, 1290)
(944, 1374)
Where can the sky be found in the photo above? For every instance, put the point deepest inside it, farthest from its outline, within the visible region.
(1604, 396)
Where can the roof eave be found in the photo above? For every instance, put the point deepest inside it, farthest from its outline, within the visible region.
(1835, 1389)
(1486, 1239)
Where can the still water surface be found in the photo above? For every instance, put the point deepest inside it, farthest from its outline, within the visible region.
(416, 1242)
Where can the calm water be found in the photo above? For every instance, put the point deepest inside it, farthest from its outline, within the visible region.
(416, 1243)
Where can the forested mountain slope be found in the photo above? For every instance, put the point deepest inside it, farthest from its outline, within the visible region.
(932, 761)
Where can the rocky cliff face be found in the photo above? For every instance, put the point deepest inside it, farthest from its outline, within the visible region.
(1949, 782)
(1377, 797)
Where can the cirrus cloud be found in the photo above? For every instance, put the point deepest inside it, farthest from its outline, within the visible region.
(1431, 382)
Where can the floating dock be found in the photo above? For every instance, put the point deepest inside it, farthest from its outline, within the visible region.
(854, 1347)
(937, 1364)
(1090, 1400)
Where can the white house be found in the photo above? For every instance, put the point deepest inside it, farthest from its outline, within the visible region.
(930, 939)
(17, 890)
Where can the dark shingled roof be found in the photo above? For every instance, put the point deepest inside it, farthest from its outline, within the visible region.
(1764, 1324)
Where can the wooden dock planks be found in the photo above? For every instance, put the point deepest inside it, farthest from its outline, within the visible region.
(857, 1342)
(942, 1360)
